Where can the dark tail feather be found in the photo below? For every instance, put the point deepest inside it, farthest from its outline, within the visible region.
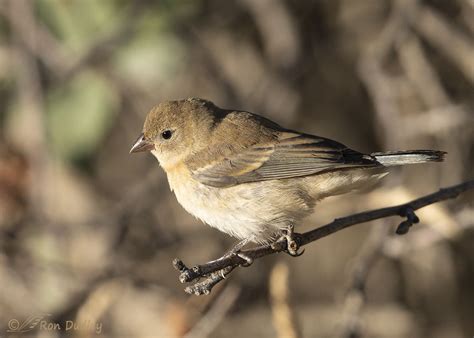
(393, 158)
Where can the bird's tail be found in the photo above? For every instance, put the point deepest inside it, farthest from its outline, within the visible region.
(394, 158)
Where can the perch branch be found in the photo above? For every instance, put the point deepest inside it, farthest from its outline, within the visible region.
(217, 270)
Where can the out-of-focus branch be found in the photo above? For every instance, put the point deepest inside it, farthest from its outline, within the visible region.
(379, 84)
(420, 72)
(424, 78)
(468, 13)
(381, 89)
(447, 39)
(284, 318)
(215, 271)
(216, 314)
(103, 47)
(277, 29)
(253, 82)
(356, 296)
(64, 64)
(40, 42)
(30, 92)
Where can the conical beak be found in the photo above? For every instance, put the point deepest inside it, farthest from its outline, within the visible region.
(141, 145)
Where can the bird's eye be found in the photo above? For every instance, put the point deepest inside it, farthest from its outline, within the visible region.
(167, 134)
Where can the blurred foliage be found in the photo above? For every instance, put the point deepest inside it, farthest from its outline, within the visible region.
(79, 115)
(76, 21)
(160, 54)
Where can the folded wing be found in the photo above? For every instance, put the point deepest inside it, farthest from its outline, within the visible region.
(291, 155)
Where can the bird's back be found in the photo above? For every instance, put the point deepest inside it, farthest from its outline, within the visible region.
(232, 133)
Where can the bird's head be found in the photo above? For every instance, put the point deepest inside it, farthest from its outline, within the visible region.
(175, 129)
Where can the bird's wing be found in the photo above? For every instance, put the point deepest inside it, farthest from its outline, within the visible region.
(290, 155)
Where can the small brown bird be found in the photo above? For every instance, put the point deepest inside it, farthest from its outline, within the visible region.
(249, 177)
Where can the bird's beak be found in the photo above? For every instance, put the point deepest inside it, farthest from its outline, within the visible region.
(141, 145)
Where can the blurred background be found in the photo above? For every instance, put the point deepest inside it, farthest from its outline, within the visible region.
(88, 232)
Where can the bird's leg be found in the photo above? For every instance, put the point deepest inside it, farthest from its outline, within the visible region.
(292, 246)
(235, 250)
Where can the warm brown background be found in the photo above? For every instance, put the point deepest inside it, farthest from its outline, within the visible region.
(88, 232)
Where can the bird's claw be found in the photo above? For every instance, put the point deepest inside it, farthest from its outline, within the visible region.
(292, 245)
(235, 251)
(248, 260)
(293, 249)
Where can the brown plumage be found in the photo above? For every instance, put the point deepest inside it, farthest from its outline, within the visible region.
(249, 177)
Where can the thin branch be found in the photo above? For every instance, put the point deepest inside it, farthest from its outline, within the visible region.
(215, 271)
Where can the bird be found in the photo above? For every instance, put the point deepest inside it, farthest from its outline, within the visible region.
(251, 178)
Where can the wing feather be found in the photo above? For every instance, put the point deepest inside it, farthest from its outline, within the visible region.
(291, 155)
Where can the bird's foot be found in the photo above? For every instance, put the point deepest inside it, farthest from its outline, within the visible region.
(236, 251)
(291, 239)
(212, 272)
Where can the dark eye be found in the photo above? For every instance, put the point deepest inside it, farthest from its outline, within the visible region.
(167, 134)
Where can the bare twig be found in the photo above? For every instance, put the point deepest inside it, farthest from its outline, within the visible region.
(216, 270)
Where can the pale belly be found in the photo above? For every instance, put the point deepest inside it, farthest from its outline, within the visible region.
(259, 211)
(255, 211)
